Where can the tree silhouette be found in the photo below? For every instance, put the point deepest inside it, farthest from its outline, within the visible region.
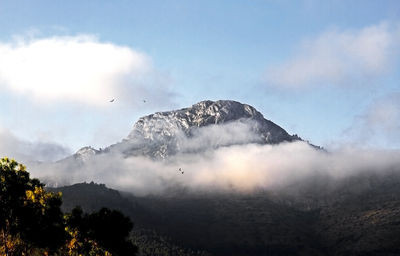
(30, 217)
(32, 223)
(109, 228)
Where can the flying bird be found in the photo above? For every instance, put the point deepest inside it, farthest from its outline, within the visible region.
(112, 100)
(144, 101)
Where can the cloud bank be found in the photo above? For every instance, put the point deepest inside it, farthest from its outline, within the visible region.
(336, 57)
(78, 69)
(239, 168)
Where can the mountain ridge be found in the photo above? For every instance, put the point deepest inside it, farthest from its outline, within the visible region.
(162, 134)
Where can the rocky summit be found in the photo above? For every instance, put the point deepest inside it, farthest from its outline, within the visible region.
(162, 125)
(219, 123)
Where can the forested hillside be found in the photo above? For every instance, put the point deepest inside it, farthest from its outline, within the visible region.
(358, 216)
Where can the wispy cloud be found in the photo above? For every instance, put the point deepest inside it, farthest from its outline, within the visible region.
(339, 56)
(28, 151)
(78, 69)
(379, 123)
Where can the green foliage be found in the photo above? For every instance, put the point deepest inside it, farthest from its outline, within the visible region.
(30, 217)
(32, 223)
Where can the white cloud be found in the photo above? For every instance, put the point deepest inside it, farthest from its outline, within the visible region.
(239, 168)
(78, 69)
(335, 57)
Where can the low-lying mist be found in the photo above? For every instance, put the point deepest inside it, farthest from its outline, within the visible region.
(239, 168)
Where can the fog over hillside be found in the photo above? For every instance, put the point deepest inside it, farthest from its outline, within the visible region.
(223, 157)
(238, 168)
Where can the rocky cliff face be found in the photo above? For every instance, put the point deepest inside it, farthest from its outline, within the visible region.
(208, 124)
(205, 125)
(162, 125)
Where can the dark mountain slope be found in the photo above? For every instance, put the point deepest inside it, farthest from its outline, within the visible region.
(359, 216)
(230, 224)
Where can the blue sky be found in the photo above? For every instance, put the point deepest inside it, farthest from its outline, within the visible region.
(325, 70)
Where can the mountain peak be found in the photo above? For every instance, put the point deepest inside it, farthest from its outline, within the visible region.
(85, 153)
(87, 150)
(203, 126)
(161, 134)
(201, 114)
(224, 110)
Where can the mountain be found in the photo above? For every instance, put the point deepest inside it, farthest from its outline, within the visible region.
(215, 123)
(164, 126)
(356, 216)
